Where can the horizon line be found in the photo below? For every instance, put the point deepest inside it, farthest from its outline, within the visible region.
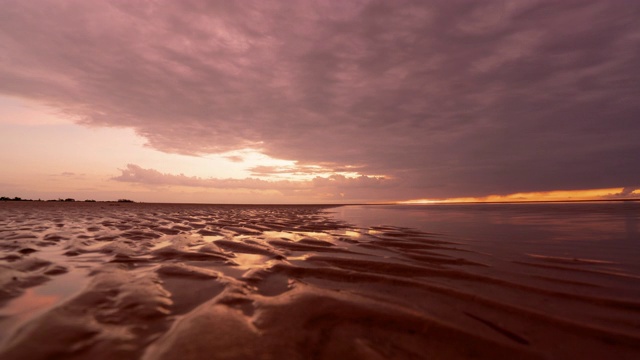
(435, 202)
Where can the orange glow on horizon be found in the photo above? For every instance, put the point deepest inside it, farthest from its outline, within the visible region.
(555, 195)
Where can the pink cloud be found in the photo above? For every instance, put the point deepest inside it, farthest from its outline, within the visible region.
(451, 98)
(235, 158)
(350, 188)
(136, 174)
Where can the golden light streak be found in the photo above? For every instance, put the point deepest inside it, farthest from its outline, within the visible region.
(556, 195)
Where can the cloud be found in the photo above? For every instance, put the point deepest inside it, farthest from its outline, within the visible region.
(452, 98)
(333, 185)
(298, 170)
(235, 158)
(68, 175)
(136, 174)
(628, 192)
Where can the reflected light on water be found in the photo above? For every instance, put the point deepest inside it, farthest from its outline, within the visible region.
(30, 301)
(22, 309)
(37, 300)
(606, 231)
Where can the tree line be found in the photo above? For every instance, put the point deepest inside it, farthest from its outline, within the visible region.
(16, 198)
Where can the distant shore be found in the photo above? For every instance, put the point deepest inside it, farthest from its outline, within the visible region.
(5, 198)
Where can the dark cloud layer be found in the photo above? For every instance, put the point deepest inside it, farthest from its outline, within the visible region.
(448, 98)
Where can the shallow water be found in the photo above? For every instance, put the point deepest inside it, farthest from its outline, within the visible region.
(158, 281)
(609, 231)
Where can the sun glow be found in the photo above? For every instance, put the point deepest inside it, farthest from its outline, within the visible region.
(65, 159)
(556, 195)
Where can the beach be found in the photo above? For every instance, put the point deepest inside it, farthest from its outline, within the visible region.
(166, 281)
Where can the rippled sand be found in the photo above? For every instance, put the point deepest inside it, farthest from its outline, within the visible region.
(129, 281)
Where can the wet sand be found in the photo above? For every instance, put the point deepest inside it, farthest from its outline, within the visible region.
(160, 281)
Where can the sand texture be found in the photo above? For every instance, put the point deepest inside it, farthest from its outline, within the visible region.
(154, 281)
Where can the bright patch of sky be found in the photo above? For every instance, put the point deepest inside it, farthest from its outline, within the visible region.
(38, 141)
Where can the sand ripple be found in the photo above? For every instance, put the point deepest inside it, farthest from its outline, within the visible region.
(132, 281)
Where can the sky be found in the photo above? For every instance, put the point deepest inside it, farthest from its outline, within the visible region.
(320, 101)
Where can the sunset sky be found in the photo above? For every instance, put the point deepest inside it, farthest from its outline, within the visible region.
(319, 101)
